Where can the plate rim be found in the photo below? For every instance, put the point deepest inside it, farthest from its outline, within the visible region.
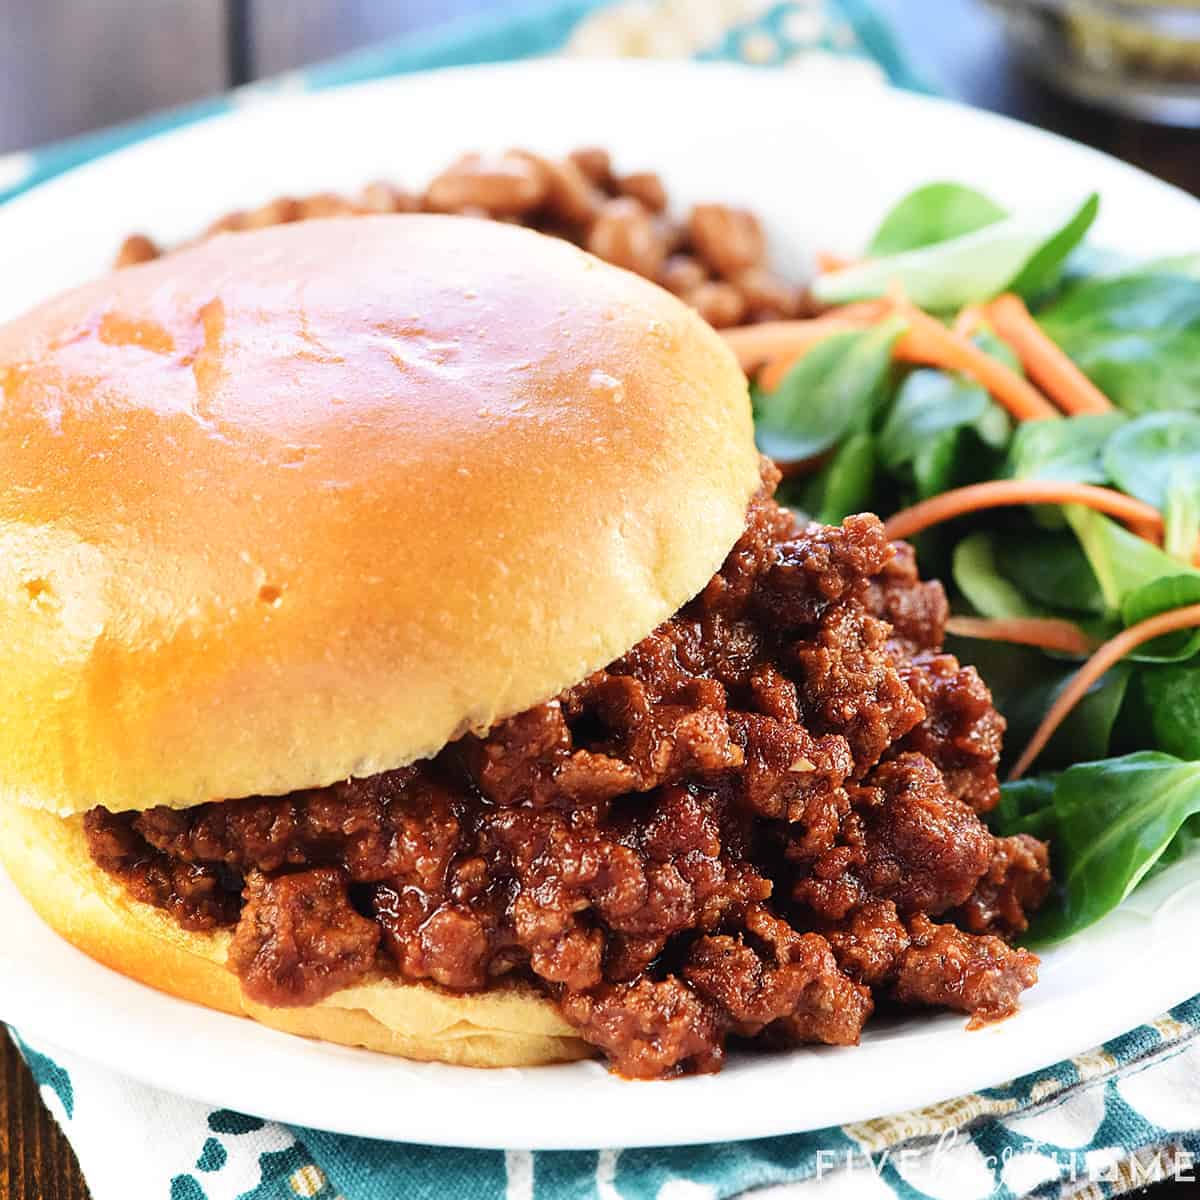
(746, 1124)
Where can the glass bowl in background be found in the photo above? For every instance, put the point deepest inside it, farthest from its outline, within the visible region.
(1140, 57)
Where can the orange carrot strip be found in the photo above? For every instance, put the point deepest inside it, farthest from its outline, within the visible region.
(758, 344)
(1106, 657)
(968, 321)
(1000, 493)
(1049, 633)
(780, 344)
(928, 341)
(866, 311)
(827, 261)
(774, 373)
(1044, 361)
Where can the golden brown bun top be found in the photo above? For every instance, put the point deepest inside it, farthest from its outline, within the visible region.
(311, 502)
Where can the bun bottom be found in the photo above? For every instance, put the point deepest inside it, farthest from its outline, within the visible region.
(48, 860)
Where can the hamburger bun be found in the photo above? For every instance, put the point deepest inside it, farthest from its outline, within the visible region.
(310, 503)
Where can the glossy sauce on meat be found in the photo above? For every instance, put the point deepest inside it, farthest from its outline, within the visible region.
(758, 823)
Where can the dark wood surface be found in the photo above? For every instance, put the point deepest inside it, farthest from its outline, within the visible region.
(36, 1162)
(122, 61)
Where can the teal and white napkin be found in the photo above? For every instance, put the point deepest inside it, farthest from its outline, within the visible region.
(1119, 1117)
(1108, 1121)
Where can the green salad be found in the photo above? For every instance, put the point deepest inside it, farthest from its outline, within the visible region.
(1027, 412)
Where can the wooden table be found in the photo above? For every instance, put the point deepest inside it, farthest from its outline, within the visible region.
(957, 40)
(36, 1162)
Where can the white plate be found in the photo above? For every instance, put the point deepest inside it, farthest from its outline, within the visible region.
(820, 167)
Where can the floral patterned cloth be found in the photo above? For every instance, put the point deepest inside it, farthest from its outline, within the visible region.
(1116, 1118)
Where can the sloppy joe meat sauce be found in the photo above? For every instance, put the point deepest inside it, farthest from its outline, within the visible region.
(760, 823)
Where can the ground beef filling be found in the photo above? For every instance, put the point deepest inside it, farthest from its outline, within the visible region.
(759, 823)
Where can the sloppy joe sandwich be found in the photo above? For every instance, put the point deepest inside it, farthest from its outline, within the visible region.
(400, 645)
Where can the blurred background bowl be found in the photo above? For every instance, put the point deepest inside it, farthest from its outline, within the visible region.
(1138, 57)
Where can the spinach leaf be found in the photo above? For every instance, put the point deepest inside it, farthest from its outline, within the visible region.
(1071, 449)
(1142, 457)
(1026, 806)
(969, 268)
(1121, 561)
(834, 390)
(1043, 267)
(1142, 372)
(1145, 298)
(1050, 568)
(1114, 819)
(994, 427)
(942, 431)
(1182, 844)
(845, 483)
(929, 402)
(933, 213)
(1160, 595)
(939, 463)
(1169, 699)
(1135, 334)
(1088, 729)
(1181, 516)
(979, 579)
(1163, 595)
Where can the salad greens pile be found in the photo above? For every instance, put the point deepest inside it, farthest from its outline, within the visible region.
(1117, 789)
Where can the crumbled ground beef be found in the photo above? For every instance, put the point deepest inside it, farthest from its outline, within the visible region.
(981, 975)
(916, 611)
(924, 849)
(961, 732)
(299, 935)
(1015, 884)
(742, 827)
(199, 897)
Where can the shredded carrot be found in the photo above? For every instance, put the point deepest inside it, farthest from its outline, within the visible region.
(968, 321)
(928, 341)
(1145, 520)
(772, 340)
(1044, 361)
(1104, 659)
(827, 261)
(866, 311)
(780, 344)
(1048, 633)
(774, 373)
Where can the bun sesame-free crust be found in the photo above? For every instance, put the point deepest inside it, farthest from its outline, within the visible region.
(307, 503)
